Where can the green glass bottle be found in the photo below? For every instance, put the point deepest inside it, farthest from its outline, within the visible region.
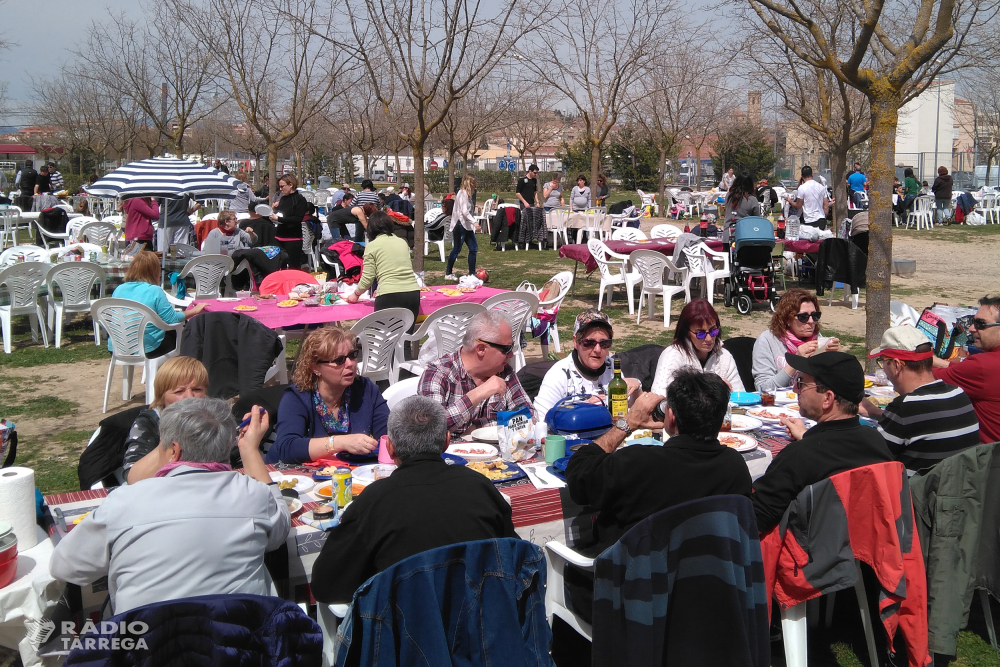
(617, 393)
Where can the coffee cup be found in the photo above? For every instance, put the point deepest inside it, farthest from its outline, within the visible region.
(555, 448)
(383, 451)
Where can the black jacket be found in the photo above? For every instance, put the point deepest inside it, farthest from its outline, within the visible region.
(105, 455)
(236, 349)
(260, 264)
(825, 449)
(942, 187)
(638, 481)
(425, 504)
(840, 261)
(293, 209)
(263, 228)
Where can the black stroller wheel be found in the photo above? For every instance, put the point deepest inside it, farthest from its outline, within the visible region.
(728, 294)
(774, 303)
(743, 304)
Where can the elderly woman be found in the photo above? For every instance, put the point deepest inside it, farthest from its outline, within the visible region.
(194, 527)
(697, 345)
(142, 284)
(229, 236)
(587, 370)
(176, 379)
(794, 330)
(329, 409)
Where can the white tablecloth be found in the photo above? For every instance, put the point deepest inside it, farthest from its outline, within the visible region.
(28, 598)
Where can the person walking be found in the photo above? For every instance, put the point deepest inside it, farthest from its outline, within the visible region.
(464, 228)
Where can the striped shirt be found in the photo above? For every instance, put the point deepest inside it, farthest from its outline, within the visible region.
(928, 425)
(367, 197)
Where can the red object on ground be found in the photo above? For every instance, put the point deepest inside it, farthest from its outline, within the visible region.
(483, 275)
(281, 282)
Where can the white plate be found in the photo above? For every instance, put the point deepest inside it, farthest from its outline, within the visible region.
(748, 443)
(463, 448)
(365, 475)
(486, 434)
(785, 396)
(756, 413)
(303, 485)
(294, 504)
(227, 298)
(743, 423)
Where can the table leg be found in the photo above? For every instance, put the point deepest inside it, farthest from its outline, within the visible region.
(576, 265)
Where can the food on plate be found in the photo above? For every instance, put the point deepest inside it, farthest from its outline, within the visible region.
(245, 308)
(881, 400)
(868, 383)
(474, 451)
(287, 483)
(731, 441)
(641, 433)
(763, 413)
(450, 291)
(466, 290)
(791, 395)
(287, 303)
(328, 471)
(792, 406)
(425, 289)
(495, 470)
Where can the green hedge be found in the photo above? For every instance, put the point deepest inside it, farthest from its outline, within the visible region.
(487, 180)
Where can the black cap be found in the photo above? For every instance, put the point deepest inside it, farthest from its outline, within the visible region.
(840, 372)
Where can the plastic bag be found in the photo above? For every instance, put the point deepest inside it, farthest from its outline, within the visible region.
(516, 434)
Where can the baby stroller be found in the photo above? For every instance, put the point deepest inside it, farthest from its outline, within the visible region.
(751, 277)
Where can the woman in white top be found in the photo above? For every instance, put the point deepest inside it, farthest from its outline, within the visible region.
(698, 345)
(579, 198)
(464, 228)
(552, 193)
(587, 370)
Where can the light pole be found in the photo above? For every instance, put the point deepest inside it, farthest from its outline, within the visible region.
(937, 124)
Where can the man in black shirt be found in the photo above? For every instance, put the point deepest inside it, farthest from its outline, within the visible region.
(265, 189)
(425, 504)
(527, 188)
(830, 387)
(27, 183)
(43, 184)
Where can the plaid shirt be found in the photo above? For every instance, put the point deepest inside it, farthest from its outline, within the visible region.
(447, 381)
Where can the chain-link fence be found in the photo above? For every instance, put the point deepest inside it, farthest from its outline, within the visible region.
(967, 172)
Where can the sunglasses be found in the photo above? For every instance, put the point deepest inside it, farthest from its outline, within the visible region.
(804, 317)
(339, 361)
(497, 346)
(713, 332)
(589, 343)
(981, 324)
(800, 385)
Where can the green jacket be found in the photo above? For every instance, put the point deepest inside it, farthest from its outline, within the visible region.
(952, 502)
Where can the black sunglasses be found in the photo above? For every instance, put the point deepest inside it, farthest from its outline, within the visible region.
(981, 324)
(589, 343)
(497, 346)
(339, 361)
(713, 332)
(804, 317)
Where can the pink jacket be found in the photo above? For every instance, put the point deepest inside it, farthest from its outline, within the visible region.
(139, 217)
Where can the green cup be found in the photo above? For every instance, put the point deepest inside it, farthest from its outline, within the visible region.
(555, 448)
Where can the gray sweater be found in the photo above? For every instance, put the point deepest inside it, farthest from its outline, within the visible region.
(767, 373)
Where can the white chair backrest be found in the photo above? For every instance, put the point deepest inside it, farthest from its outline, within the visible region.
(32, 253)
(925, 203)
(488, 206)
(627, 234)
(85, 248)
(97, 232)
(379, 332)
(651, 265)
(664, 231)
(125, 322)
(22, 282)
(74, 225)
(76, 281)
(901, 313)
(565, 280)
(697, 263)
(208, 272)
(610, 268)
(516, 307)
(449, 325)
(402, 389)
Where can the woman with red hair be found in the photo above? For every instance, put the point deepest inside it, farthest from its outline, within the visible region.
(697, 345)
(794, 330)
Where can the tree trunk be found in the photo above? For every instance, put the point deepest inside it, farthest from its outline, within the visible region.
(595, 168)
(367, 171)
(418, 207)
(399, 172)
(662, 186)
(451, 169)
(838, 172)
(272, 170)
(885, 116)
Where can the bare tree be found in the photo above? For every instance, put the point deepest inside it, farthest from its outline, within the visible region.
(427, 55)
(532, 124)
(985, 121)
(890, 51)
(470, 119)
(602, 51)
(280, 73)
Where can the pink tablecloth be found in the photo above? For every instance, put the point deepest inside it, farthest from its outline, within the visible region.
(273, 317)
(804, 247)
(581, 253)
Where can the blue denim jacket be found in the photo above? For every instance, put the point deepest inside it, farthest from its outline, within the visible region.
(420, 608)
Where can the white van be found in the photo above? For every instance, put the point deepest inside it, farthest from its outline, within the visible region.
(981, 176)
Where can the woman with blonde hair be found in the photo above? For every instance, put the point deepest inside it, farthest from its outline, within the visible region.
(330, 410)
(464, 228)
(142, 284)
(176, 379)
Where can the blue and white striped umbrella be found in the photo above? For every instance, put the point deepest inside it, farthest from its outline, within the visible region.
(166, 177)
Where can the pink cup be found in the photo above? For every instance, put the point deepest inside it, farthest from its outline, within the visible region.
(383, 451)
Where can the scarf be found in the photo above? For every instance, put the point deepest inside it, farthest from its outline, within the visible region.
(209, 467)
(333, 424)
(792, 343)
(588, 373)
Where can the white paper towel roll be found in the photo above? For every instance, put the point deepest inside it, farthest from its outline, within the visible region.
(17, 504)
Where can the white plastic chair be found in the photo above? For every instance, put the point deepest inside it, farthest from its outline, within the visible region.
(76, 281)
(279, 369)
(700, 265)
(448, 324)
(614, 270)
(85, 248)
(32, 253)
(595, 225)
(627, 234)
(517, 308)
(483, 218)
(901, 313)
(922, 213)
(565, 280)
(97, 233)
(990, 208)
(22, 282)
(664, 231)
(125, 322)
(11, 223)
(621, 221)
(649, 200)
(208, 272)
(556, 220)
(379, 333)
(439, 244)
(74, 225)
(557, 555)
(652, 264)
(329, 617)
(403, 389)
(46, 237)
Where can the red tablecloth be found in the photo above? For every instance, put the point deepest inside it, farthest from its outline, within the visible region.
(581, 253)
(269, 314)
(805, 247)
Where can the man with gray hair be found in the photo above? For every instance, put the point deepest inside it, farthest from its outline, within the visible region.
(476, 382)
(196, 528)
(425, 504)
